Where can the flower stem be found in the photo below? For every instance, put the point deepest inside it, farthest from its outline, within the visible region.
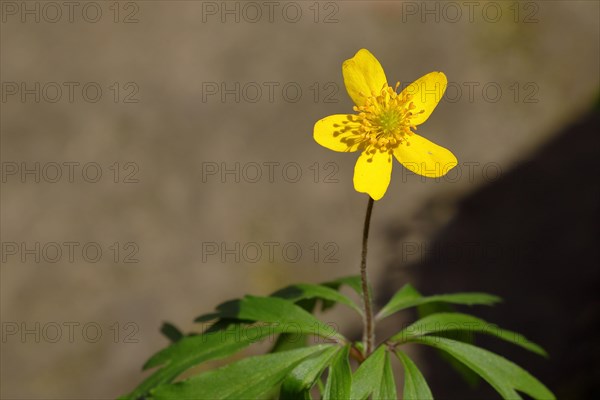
(369, 323)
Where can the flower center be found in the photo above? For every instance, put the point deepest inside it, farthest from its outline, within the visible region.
(385, 119)
(389, 120)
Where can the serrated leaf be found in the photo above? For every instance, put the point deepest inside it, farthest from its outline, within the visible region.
(339, 381)
(304, 376)
(415, 385)
(409, 297)
(387, 389)
(304, 291)
(367, 378)
(444, 322)
(171, 332)
(504, 376)
(248, 379)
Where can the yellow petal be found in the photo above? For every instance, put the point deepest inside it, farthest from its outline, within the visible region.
(425, 158)
(363, 74)
(373, 172)
(427, 92)
(338, 133)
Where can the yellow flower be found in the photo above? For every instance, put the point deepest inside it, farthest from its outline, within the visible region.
(384, 124)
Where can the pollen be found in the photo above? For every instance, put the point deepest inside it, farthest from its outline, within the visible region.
(385, 118)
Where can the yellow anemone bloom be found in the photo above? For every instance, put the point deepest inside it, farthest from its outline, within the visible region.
(384, 125)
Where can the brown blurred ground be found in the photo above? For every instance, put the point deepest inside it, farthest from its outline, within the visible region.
(546, 68)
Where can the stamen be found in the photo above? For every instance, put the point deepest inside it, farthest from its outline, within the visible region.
(385, 119)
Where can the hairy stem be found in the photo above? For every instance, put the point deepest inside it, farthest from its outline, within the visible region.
(369, 323)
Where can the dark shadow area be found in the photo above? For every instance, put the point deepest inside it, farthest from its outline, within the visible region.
(532, 238)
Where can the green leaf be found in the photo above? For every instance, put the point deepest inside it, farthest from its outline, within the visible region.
(276, 311)
(307, 304)
(249, 378)
(289, 341)
(503, 375)
(171, 332)
(472, 379)
(415, 385)
(304, 395)
(340, 377)
(367, 378)
(207, 317)
(194, 350)
(305, 375)
(409, 297)
(303, 291)
(387, 389)
(444, 322)
(353, 282)
(284, 317)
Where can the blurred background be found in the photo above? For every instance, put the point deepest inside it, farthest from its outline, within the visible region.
(157, 159)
